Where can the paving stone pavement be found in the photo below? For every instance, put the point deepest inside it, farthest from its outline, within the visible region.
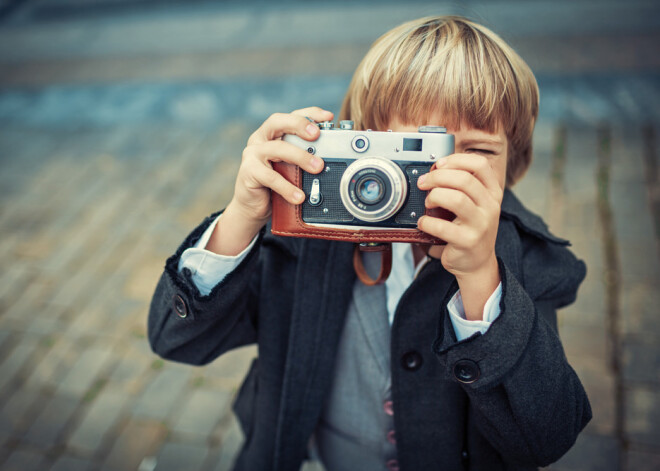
(112, 154)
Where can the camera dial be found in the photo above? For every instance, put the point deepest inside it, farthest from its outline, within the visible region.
(373, 189)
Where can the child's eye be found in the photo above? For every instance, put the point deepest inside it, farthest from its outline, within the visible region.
(481, 151)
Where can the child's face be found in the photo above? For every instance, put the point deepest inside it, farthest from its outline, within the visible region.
(468, 140)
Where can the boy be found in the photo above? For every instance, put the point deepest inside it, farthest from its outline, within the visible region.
(455, 362)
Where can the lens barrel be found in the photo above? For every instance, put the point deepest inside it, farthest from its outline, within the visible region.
(370, 189)
(373, 189)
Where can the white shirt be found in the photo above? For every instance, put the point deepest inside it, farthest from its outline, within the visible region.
(208, 269)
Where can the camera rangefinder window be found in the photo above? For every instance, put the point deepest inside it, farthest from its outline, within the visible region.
(360, 144)
(412, 144)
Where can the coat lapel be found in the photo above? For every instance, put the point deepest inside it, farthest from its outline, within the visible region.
(324, 282)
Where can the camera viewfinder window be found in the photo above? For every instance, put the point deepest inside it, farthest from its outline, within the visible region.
(412, 144)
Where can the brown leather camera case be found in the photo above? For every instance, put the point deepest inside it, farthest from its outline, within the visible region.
(287, 220)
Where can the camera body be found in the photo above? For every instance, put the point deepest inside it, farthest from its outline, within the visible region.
(369, 182)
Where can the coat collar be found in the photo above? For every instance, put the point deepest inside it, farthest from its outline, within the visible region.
(525, 220)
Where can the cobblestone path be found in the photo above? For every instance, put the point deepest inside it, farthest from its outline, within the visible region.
(103, 173)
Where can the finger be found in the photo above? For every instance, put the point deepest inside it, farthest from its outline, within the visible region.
(280, 151)
(441, 228)
(476, 164)
(315, 113)
(457, 179)
(266, 177)
(452, 200)
(279, 124)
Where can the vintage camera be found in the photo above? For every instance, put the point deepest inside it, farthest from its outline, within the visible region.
(370, 177)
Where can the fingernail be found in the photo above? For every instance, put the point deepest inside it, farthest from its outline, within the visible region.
(317, 163)
(312, 129)
(420, 180)
(441, 162)
(299, 196)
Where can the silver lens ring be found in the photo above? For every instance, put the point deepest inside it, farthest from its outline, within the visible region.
(394, 177)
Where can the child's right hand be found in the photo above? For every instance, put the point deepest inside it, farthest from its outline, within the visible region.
(250, 206)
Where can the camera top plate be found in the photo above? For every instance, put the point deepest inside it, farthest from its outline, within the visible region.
(428, 145)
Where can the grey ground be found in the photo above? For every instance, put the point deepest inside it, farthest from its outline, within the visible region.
(121, 127)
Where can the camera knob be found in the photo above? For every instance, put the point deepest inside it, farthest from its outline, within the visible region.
(433, 129)
(325, 125)
(346, 124)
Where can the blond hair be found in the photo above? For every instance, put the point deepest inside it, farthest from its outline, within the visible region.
(451, 67)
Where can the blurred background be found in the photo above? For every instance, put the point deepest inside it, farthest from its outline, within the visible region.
(122, 125)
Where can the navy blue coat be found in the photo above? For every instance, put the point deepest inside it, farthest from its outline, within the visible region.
(505, 400)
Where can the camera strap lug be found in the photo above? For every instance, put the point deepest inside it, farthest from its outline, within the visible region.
(385, 249)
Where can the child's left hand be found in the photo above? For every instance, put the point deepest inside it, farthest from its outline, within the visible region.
(468, 186)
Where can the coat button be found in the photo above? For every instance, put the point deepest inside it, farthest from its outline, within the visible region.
(391, 437)
(466, 371)
(180, 306)
(388, 407)
(411, 360)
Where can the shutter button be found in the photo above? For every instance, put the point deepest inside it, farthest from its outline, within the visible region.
(180, 306)
(466, 371)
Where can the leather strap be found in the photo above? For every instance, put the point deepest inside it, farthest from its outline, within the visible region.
(385, 262)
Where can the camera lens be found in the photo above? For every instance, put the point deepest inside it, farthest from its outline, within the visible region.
(370, 190)
(373, 189)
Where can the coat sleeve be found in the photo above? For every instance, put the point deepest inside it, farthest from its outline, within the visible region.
(189, 327)
(525, 398)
